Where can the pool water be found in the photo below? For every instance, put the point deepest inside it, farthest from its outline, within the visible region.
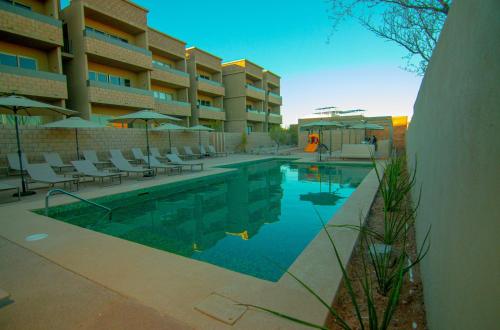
(249, 220)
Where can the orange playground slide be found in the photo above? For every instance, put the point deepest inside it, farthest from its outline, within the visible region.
(312, 143)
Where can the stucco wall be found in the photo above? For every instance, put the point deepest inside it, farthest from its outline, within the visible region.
(454, 132)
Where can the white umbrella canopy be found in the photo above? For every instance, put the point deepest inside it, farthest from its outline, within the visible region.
(199, 128)
(22, 106)
(74, 123)
(169, 127)
(146, 115)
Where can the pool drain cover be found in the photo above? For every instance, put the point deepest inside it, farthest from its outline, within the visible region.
(36, 237)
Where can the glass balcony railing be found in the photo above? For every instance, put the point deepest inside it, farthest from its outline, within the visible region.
(257, 89)
(257, 112)
(209, 81)
(167, 69)
(210, 108)
(32, 73)
(173, 102)
(274, 114)
(114, 41)
(29, 14)
(275, 95)
(125, 89)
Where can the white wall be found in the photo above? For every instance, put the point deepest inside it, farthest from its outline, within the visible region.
(455, 136)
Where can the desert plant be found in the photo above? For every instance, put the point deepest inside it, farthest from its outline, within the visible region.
(244, 142)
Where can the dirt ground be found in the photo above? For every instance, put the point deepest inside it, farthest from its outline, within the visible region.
(410, 313)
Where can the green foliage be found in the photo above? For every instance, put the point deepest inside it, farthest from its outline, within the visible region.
(244, 142)
(279, 135)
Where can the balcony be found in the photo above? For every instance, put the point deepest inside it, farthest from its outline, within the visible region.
(104, 93)
(172, 107)
(40, 28)
(113, 50)
(255, 92)
(210, 86)
(274, 98)
(275, 118)
(32, 82)
(170, 76)
(207, 112)
(255, 115)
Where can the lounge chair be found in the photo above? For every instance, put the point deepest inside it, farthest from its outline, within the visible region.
(174, 159)
(117, 153)
(91, 156)
(138, 155)
(175, 151)
(156, 153)
(13, 160)
(55, 161)
(156, 164)
(213, 152)
(203, 152)
(123, 165)
(188, 151)
(5, 186)
(86, 168)
(45, 174)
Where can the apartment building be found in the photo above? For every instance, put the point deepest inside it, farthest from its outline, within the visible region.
(252, 102)
(31, 38)
(169, 78)
(206, 91)
(109, 62)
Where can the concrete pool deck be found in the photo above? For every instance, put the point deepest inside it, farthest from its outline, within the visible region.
(164, 286)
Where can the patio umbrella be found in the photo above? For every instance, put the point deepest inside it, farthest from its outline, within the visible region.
(21, 106)
(147, 116)
(169, 127)
(322, 125)
(200, 128)
(76, 123)
(365, 126)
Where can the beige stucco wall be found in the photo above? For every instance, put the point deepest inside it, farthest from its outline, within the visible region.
(454, 133)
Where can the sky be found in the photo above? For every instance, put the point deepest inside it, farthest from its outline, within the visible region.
(350, 68)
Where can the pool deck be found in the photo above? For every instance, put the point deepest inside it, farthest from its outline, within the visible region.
(81, 278)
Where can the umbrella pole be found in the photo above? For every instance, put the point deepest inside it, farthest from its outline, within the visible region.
(77, 148)
(330, 143)
(147, 144)
(24, 187)
(169, 142)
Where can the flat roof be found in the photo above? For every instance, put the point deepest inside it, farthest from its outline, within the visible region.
(203, 51)
(166, 35)
(269, 71)
(242, 59)
(136, 5)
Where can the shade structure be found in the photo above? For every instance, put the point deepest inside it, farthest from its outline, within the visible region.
(147, 116)
(323, 125)
(22, 106)
(366, 126)
(199, 128)
(169, 127)
(74, 123)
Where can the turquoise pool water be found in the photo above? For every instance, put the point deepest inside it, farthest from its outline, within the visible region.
(247, 220)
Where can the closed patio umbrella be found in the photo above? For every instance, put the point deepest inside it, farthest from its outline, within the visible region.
(200, 128)
(147, 116)
(76, 123)
(169, 127)
(22, 106)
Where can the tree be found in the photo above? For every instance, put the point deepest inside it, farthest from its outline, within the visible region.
(279, 135)
(413, 24)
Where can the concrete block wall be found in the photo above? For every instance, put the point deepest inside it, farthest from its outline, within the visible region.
(112, 96)
(254, 140)
(454, 137)
(34, 86)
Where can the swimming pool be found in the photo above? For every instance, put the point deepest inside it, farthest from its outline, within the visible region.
(248, 220)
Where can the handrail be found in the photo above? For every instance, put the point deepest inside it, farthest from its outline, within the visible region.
(61, 191)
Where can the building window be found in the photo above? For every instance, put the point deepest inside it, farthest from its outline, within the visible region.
(17, 4)
(102, 77)
(162, 64)
(18, 61)
(249, 129)
(88, 28)
(204, 76)
(205, 103)
(249, 107)
(108, 78)
(162, 96)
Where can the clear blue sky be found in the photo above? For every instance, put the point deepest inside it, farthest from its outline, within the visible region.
(354, 70)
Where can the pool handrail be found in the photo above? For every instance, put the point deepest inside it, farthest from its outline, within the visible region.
(62, 191)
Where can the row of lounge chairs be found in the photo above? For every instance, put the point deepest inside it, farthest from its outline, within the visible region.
(92, 167)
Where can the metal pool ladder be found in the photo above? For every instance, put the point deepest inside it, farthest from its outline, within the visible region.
(61, 191)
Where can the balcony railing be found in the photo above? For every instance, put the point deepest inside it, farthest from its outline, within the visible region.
(174, 102)
(256, 112)
(209, 108)
(125, 89)
(166, 68)
(275, 95)
(30, 14)
(212, 82)
(274, 114)
(32, 73)
(95, 35)
(257, 89)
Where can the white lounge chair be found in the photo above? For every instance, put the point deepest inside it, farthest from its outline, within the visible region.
(156, 153)
(156, 164)
(13, 160)
(86, 168)
(45, 174)
(5, 186)
(174, 159)
(55, 161)
(117, 153)
(203, 152)
(137, 153)
(175, 151)
(123, 165)
(213, 152)
(188, 151)
(91, 156)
